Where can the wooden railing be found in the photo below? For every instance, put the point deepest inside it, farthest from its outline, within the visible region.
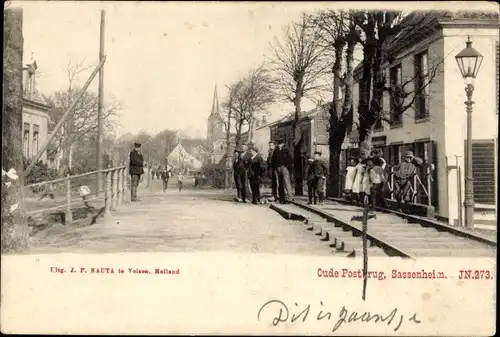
(115, 193)
(422, 186)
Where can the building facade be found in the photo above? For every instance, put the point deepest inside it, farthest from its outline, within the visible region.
(434, 127)
(312, 129)
(35, 115)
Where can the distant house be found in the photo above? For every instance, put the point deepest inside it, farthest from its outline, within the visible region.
(35, 115)
(201, 153)
(179, 158)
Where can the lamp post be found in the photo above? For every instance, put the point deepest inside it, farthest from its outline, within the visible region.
(469, 61)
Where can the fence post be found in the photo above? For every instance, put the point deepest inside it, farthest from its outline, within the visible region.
(114, 202)
(126, 194)
(119, 186)
(122, 187)
(107, 193)
(69, 215)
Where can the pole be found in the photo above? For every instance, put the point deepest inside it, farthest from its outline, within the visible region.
(14, 227)
(63, 118)
(469, 180)
(459, 192)
(100, 104)
(149, 165)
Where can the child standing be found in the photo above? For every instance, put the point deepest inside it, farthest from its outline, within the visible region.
(180, 178)
(357, 187)
(349, 177)
(316, 177)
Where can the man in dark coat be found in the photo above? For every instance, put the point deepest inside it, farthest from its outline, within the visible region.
(271, 171)
(136, 169)
(256, 171)
(240, 176)
(246, 155)
(282, 161)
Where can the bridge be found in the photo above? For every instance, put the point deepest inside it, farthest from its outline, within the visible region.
(66, 217)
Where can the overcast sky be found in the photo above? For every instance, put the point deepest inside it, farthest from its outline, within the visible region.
(163, 59)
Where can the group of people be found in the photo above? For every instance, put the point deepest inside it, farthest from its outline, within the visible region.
(249, 170)
(366, 177)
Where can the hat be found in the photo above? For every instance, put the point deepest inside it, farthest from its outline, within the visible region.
(408, 154)
(281, 141)
(137, 144)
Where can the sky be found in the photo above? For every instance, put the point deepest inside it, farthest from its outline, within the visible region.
(163, 58)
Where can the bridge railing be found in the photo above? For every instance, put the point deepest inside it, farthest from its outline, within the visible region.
(68, 193)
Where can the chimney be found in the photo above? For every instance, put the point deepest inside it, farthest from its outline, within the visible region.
(264, 121)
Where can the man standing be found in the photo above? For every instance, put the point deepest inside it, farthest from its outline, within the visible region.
(136, 170)
(282, 161)
(404, 174)
(245, 156)
(255, 173)
(271, 171)
(240, 176)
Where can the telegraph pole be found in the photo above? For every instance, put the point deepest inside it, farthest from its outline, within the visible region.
(100, 105)
(14, 227)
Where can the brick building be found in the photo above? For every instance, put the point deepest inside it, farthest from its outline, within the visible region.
(312, 129)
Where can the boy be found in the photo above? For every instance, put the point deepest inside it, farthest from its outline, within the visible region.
(316, 175)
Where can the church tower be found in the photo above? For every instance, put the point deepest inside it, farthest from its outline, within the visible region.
(215, 123)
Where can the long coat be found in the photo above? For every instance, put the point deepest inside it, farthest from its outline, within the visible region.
(256, 168)
(136, 163)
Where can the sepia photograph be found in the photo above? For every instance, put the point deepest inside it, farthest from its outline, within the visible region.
(202, 146)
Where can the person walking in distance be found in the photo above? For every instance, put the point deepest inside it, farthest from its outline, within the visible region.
(136, 170)
(271, 171)
(165, 176)
(256, 171)
(282, 161)
(180, 180)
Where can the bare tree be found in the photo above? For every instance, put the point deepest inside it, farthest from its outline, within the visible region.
(380, 29)
(340, 34)
(248, 98)
(82, 123)
(300, 61)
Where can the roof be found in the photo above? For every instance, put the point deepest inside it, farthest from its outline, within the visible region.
(290, 117)
(419, 24)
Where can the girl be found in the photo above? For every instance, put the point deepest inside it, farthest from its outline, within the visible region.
(350, 175)
(357, 192)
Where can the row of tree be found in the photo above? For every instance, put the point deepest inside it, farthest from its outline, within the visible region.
(316, 55)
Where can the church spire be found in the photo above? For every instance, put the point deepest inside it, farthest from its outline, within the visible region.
(215, 104)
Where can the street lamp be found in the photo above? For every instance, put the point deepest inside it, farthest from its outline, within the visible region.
(469, 61)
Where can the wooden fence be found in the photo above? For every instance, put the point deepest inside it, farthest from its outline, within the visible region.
(115, 193)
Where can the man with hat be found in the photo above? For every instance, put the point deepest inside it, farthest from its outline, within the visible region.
(136, 169)
(404, 174)
(282, 161)
(240, 175)
(271, 171)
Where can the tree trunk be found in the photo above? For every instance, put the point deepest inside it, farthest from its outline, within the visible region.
(334, 141)
(15, 232)
(297, 162)
(70, 157)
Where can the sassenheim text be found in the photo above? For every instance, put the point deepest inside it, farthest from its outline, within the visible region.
(422, 274)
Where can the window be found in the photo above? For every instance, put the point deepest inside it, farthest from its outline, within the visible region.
(396, 79)
(395, 154)
(36, 131)
(26, 140)
(421, 86)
